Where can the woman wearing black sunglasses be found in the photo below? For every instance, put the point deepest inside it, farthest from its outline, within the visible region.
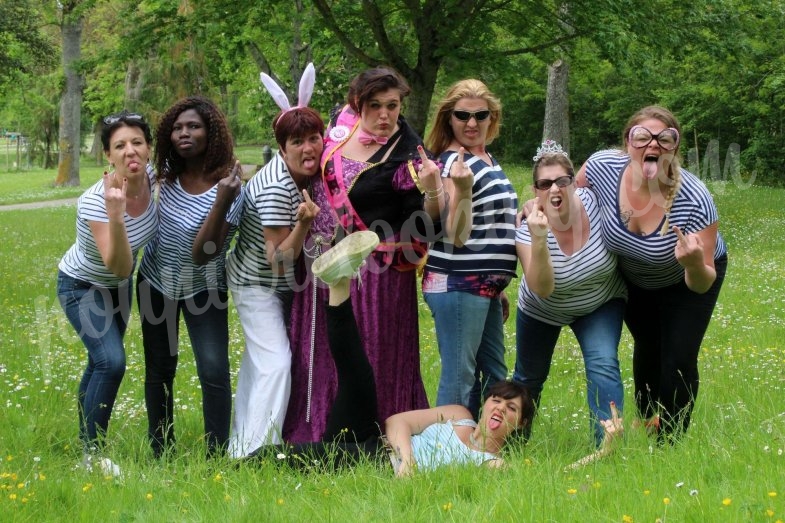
(662, 222)
(471, 265)
(569, 278)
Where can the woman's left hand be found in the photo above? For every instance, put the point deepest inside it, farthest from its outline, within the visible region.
(689, 249)
(229, 186)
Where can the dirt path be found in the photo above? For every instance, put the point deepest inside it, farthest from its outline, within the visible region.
(38, 205)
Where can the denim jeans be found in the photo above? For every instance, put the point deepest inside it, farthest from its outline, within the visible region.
(206, 317)
(470, 334)
(598, 335)
(100, 316)
(668, 326)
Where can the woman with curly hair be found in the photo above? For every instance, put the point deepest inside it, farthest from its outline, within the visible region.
(183, 268)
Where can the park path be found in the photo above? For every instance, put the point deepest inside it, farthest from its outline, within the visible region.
(38, 205)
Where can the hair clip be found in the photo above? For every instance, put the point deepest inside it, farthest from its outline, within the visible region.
(304, 94)
(549, 147)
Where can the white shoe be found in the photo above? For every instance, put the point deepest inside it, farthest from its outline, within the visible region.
(104, 465)
(348, 255)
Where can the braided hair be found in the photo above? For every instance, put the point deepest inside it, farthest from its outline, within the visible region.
(219, 155)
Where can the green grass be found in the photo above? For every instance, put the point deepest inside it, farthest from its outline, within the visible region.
(728, 468)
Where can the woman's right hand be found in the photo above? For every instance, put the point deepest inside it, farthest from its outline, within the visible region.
(536, 219)
(115, 198)
(229, 187)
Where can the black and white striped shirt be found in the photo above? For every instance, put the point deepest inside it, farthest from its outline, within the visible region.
(167, 263)
(83, 260)
(271, 199)
(648, 261)
(582, 282)
(490, 248)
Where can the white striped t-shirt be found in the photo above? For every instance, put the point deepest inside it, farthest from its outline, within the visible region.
(271, 199)
(582, 282)
(83, 260)
(167, 263)
(649, 261)
(490, 248)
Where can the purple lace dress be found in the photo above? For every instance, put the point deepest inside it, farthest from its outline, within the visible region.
(385, 306)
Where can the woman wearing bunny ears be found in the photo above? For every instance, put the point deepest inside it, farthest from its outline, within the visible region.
(183, 268)
(375, 176)
(277, 215)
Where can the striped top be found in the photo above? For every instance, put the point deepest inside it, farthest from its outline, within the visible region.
(490, 247)
(649, 261)
(83, 261)
(582, 282)
(271, 199)
(167, 263)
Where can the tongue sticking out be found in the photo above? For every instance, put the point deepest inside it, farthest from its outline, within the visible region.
(650, 168)
(494, 423)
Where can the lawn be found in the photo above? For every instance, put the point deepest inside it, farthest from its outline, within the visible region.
(728, 468)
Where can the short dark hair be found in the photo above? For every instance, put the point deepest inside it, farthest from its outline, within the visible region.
(111, 123)
(508, 389)
(297, 123)
(552, 159)
(372, 81)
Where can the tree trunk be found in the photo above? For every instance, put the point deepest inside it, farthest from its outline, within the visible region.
(70, 103)
(557, 105)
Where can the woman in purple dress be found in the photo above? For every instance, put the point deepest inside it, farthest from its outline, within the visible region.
(376, 177)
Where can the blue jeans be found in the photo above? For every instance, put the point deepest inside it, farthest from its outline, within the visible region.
(470, 334)
(100, 316)
(598, 334)
(207, 320)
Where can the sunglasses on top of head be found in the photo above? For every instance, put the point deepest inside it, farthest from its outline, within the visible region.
(114, 118)
(465, 116)
(561, 181)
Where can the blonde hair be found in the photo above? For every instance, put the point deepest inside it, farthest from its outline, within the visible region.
(662, 114)
(441, 135)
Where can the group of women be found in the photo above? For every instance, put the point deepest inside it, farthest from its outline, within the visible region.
(632, 237)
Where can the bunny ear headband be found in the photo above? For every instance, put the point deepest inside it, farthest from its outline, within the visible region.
(304, 96)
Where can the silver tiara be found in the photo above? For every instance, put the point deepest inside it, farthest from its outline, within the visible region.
(549, 147)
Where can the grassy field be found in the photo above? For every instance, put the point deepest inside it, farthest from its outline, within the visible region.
(728, 468)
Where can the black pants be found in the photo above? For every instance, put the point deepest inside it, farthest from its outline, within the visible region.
(352, 433)
(668, 326)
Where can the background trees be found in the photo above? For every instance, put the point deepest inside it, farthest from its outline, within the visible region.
(717, 63)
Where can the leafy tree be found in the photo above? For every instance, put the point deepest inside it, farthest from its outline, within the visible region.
(24, 47)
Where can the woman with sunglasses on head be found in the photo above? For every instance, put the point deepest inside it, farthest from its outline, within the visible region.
(183, 268)
(662, 223)
(114, 219)
(469, 267)
(569, 278)
(375, 176)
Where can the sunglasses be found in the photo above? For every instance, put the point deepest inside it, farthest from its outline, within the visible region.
(114, 118)
(561, 181)
(465, 116)
(641, 137)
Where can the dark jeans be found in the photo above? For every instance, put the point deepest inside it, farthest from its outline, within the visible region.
(100, 316)
(206, 317)
(668, 326)
(352, 433)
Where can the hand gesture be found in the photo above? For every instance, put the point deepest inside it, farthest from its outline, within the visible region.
(461, 175)
(229, 187)
(307, 210)
(689, 249)
(429, 172)
(536, 219)
(114, 198)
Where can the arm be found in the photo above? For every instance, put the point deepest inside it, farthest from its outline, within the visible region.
(399, 429)
(695, 252)
(432, 184)
(458, 225)
(111, 238)
(212, 234)
(580, 177)
(536, 258)
(284, 245)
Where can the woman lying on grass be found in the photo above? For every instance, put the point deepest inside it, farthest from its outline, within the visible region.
(419, 439)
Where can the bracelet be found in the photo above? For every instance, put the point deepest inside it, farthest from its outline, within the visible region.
(434, 194)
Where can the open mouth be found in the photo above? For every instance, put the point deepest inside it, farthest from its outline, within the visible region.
(495, 422)
(556, 201)
(650, 166)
